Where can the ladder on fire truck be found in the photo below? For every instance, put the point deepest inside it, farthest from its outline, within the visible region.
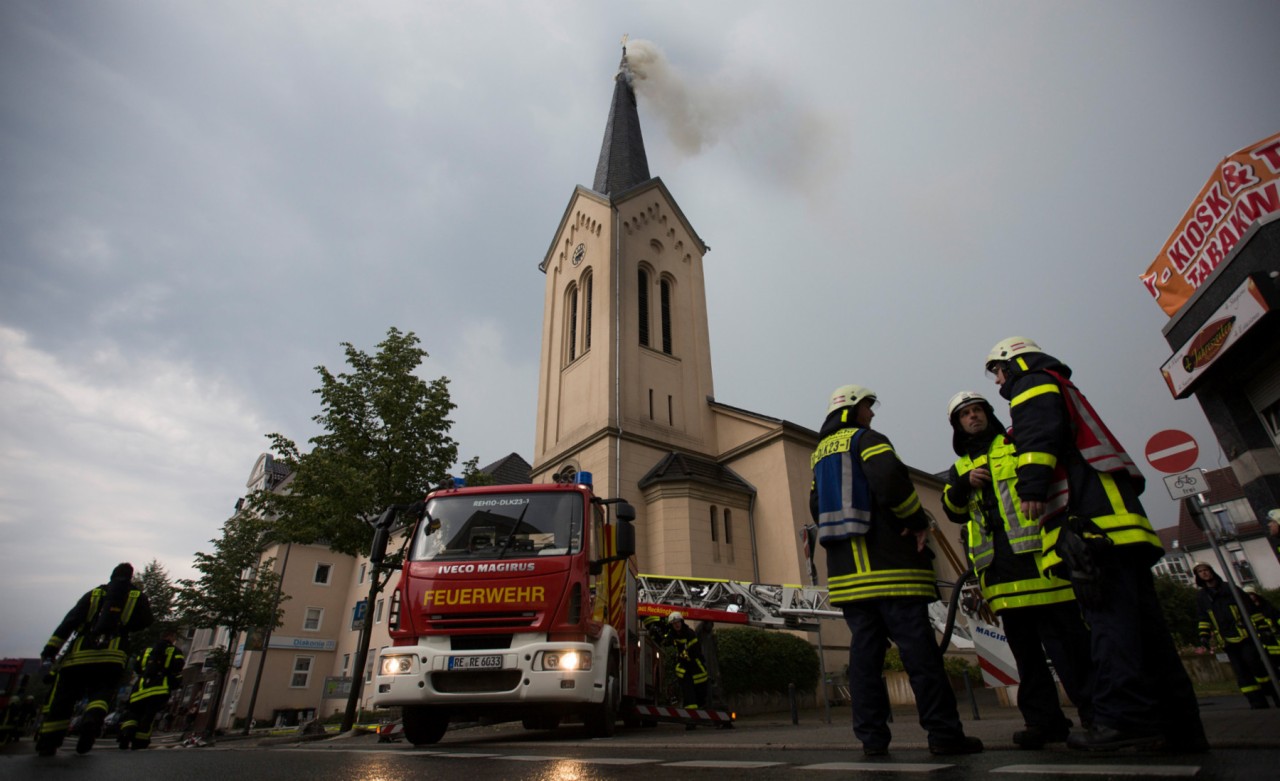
(762, 605)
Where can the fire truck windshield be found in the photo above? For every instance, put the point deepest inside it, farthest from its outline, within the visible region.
(487, 526)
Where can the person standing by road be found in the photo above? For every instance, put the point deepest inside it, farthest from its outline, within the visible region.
(1076, 479)
(1219, 619)
(880, 573)
(159, 671)
(1037, 612)
(98, 628)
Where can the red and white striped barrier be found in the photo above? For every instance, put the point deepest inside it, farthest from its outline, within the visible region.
(683, 715)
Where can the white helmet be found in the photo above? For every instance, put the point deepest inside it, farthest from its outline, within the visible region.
(674, 617)
(1274, 515)
(964, 399)
(1011, 347)
(849, 396)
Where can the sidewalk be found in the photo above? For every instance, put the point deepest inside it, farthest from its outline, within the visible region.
(1228, 722)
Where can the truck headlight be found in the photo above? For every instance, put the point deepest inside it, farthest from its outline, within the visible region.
(566, 660)
(396, 665)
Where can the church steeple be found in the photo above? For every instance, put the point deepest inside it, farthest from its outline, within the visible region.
(622, 164)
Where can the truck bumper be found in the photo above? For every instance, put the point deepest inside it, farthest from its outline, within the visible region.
(431, 673)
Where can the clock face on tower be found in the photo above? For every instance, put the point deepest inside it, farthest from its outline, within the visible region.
(579, 252)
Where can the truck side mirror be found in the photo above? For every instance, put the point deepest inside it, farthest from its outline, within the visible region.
(625, 512)
(378, 550)
(624, 536)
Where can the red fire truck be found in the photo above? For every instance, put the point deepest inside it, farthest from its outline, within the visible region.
(518, 603)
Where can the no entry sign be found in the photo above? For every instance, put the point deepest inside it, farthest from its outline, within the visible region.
(1172, 451)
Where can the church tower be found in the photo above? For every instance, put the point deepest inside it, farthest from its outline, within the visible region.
(625, 372)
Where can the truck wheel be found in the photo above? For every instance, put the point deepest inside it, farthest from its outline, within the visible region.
(541, 721)
(424, 726)
(602, 720)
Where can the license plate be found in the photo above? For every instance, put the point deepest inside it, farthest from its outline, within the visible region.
(475, 662)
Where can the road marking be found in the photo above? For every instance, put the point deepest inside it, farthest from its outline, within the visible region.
(1163, 771)
(727, 763)
(882, 767)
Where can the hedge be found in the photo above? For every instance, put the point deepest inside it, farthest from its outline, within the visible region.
(762, 660)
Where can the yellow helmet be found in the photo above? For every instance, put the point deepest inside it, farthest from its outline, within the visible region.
(1006, 349)
(849, 396)
(964, 399)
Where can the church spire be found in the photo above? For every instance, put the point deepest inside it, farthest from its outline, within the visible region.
(622, 164)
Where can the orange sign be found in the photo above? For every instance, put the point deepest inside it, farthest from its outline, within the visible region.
(1245, 187)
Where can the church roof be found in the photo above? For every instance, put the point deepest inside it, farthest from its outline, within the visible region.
(509, 470)
(622, 163)
(681, 467)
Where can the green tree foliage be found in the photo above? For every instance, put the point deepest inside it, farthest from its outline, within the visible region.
(236, 589)
(162, 596)
(385, 441)
(761, 660)
(1178, 603)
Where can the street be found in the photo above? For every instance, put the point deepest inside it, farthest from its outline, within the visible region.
(1246, 746)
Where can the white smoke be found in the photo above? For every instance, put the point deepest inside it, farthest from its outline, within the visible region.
(769, 132)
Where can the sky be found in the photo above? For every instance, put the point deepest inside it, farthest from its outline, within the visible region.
(201, 202)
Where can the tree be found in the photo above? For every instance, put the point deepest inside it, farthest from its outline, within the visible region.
(161, 595)
(385, 442)
(236, 590)
(472, 475)
(1178, 603)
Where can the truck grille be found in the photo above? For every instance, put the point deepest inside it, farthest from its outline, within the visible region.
(476, 681)
(515, 620)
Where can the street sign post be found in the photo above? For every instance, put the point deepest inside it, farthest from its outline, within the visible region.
(1172, 451)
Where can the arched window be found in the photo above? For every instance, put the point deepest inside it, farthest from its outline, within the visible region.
(571, 324)
(642, 284)
(715, 536)
(587, 284)
(728, 527)
(666, 316)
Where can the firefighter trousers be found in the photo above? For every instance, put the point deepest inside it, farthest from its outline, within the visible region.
(905, 621)
(1140, 686)
(1059, 632)
(138, 720)
(99, 682)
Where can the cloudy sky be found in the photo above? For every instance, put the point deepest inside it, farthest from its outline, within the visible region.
(200, 202)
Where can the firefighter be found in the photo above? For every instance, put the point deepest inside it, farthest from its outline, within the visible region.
(159, 671)
(1267, 621)
(1220, 620)
(1038, 612)
(98, 628)
(880, 573)
(1076, 479)
(691, 668)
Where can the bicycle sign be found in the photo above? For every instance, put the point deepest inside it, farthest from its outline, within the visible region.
(1188, 483)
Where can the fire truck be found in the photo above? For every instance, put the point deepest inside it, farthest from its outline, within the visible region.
(524, 602)
(517, 603)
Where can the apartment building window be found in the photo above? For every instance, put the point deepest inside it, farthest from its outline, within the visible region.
(346, 663)
(301, 672)
(377, 612)
(728, 527)
(323, 573)
(715, 533)
(362, 569)
(311, 623)
(368, 671)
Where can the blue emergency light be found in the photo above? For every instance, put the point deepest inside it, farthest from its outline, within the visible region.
(582, 478)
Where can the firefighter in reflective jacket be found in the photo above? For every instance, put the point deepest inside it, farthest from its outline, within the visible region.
(879, 572)
(1267, 621)
(1038, 612)
(1076, 479)
(1219, 619)
(158, 673)
(94, 662)
(691, 668)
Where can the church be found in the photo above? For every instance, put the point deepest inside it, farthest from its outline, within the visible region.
(625, 387)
